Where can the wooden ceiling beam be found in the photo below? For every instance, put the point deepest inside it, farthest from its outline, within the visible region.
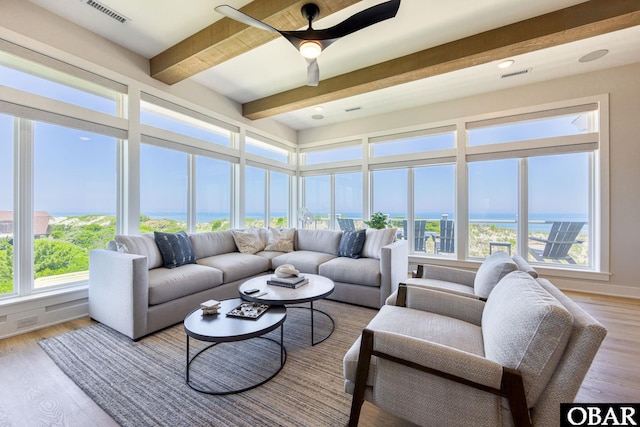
(574, 23)
(226, 38)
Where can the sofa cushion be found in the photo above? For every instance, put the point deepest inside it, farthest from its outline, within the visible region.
(361, 271)
(376, 239)
(248, 241)
(304, 261)
(144, 245)
(212, 243)
(269, 255)
(527, 329)
(175, 248)
(491, 271)
(169, 284)
(351, 243)
(281, 239)
(236, 265)
(326, 241)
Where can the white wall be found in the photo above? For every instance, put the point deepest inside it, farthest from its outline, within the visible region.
(623, 86)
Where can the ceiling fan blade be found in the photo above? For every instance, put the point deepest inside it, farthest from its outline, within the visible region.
(236, 15)
(313, 72)
(362, 19)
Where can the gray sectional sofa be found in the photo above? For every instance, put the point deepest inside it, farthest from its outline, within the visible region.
(131, 290)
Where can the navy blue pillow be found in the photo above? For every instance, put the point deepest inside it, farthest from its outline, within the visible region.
(175, 248)
(351, 243)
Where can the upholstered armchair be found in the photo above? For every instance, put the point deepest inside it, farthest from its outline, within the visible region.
(437, 358)
(474, 284)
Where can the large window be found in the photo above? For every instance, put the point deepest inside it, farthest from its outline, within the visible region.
(74, 201)
(525, 182)
(268, 150)
(559, 212)
(533, 126)
(434, 191)
(335, 200)
(317, 199)
(279, 199)
(58, 169)
(348, 198)
(538, 196)
(331, 154)
(413, 142)
(390, 195)
(213, 194)
(163, 190)
(191, 125)
(255, 197)
(493, 207)
(29, 76)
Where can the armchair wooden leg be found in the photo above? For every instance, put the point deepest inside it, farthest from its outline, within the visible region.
(362, 372)
(513, 388)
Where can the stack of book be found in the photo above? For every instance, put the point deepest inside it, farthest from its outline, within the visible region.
(288, 282)
(210, 307)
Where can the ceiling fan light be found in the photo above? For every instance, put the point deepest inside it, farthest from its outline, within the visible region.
(310, 49)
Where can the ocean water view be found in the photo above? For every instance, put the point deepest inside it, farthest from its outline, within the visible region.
(537, 222)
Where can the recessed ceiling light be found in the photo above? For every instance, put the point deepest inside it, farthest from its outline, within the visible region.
(506, 64)
(592, 56)
(317, 117)
(319, 108)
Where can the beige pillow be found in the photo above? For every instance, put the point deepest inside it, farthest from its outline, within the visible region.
(144, 245)
(281, 239)
(248, 242)
(491, 271)
(376, 239)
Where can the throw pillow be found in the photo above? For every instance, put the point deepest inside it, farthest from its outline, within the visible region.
(491, 271)
(351, 243)
(376, 239)
(248, 242)
(281, 239)
(175, 249)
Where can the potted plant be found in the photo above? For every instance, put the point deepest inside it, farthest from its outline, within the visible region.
(378, 220)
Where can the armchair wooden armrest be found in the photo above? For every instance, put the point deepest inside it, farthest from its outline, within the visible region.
(442, 361)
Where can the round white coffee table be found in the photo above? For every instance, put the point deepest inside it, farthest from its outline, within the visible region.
(318, 287)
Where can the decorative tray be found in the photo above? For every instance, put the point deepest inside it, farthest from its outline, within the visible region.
(248, 310)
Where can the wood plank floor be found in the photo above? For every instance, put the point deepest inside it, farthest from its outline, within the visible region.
(34, 392)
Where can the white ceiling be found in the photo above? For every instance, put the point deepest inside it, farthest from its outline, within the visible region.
(156, 25)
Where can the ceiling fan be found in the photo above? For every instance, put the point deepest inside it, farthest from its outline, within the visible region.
(311, 42)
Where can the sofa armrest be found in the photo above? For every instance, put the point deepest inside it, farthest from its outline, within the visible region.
(447, 274)
(394, 267)
(119, 291)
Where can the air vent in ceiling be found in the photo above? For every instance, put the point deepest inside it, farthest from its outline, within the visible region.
(352, 109)
(107, 11)
(516, 73)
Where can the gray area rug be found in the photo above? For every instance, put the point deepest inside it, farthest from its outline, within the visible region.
(143, 384)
